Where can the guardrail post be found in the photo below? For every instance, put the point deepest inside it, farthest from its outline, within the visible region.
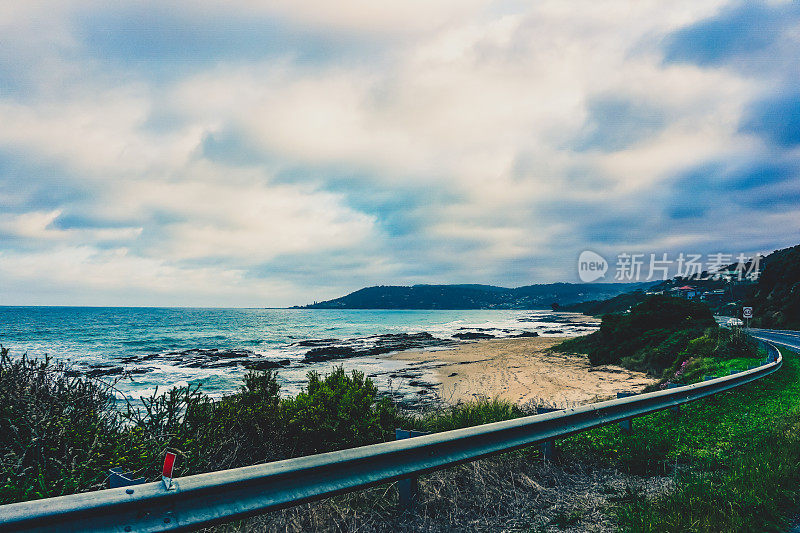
(547, 448)
(677, 409)
(627, 424)
(407, 488)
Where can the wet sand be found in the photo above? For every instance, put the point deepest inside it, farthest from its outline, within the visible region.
(521, 371)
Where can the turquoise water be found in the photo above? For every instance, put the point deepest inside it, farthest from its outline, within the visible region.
(148, 343)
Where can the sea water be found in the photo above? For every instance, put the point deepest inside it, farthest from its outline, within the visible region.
(141, 350)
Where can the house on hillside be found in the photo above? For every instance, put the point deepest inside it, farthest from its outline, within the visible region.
(686, 291)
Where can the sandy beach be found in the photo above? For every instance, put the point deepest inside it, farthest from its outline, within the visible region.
(523, 370)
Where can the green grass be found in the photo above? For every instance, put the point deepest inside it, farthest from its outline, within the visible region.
(735, 457)
(462, 415)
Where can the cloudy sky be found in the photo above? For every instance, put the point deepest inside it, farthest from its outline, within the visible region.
(247, 153)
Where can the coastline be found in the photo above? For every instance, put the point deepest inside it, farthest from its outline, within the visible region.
(521, 370)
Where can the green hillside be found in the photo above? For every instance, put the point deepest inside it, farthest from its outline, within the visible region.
(474, 296)
(776, 296)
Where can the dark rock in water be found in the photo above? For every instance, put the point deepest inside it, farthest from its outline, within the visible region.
(527, 334)
(199, 357)
(213, 353)
(475, 329)
(104, 370)
(473, 335)
(329, 352)
(139, 370)
(315, 342)
(263, 365)
(373, 345)
(552, 331)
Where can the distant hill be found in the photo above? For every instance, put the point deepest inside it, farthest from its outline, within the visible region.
(475, 296)
(776, 296)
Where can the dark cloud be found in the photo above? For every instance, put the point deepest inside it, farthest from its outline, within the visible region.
(400, 206)
(776, 119)
(703, 190)
(743, 29)
(417, 228)
(615, 123)
(232, 147)
(31, 184)
(168, 41)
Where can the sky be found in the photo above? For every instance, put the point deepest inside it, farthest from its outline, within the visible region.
(247, 153)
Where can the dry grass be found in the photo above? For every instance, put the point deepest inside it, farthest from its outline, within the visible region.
(516, 491)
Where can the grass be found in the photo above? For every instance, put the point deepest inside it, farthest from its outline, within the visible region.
(462, 415)
(735, 458)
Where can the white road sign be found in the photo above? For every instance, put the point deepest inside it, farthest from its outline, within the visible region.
(747, 312)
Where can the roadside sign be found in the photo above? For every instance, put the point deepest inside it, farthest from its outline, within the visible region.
(747, 312)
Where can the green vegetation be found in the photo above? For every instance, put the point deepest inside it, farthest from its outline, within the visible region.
(648, 338)
(59, 434)
(55, 431)
(776, 297)
(618, 304)
(463, 415)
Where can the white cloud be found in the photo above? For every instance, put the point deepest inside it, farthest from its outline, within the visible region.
(471, 114)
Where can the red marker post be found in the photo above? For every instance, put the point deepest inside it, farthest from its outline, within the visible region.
(166, 472)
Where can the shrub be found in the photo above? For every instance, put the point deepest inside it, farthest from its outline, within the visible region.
(339, 411)
(57, 432)
(649, 337)
(60, 432)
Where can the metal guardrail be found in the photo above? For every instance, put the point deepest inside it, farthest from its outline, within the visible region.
(216, 497)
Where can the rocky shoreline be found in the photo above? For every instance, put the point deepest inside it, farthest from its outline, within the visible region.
(413, 384)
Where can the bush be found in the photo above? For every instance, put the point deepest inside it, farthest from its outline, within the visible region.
(60, 432)
(57, 432)
(339, 411)
(648, 338)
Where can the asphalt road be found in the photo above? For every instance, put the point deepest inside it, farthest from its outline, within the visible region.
(789, 339)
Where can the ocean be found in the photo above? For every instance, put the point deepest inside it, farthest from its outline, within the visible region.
(142, 350)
